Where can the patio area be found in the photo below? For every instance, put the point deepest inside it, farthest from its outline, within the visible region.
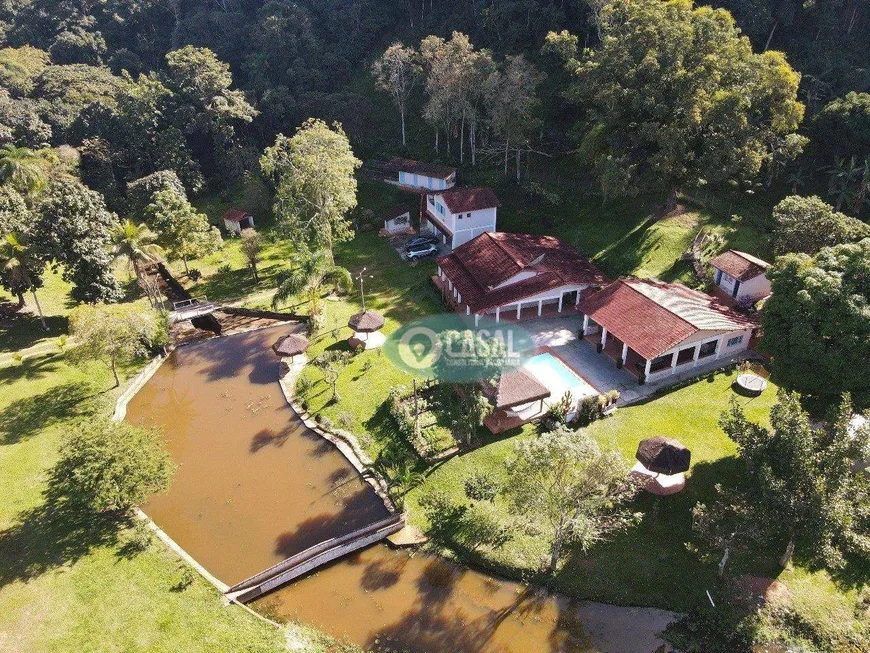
(561, 335)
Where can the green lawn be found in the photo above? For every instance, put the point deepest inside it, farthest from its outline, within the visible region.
(67, 582)
(650, 564)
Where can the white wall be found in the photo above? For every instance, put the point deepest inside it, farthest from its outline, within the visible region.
(755, 288)
(701, 337)
(422, 181)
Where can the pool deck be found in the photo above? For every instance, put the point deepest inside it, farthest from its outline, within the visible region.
(559, 334)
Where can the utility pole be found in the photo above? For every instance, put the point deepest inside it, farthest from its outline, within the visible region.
(361, 276)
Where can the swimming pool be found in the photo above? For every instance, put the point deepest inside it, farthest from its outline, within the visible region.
(558, 377)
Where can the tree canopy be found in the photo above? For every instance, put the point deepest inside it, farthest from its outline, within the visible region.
(113, 466)
(566, 486)
(807, 224)
(675, 97)
(316, 187)
(816, 324)
(73, 230)
(800, 482)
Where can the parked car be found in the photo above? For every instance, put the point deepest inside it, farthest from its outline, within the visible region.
(422, 239)
(420, 251)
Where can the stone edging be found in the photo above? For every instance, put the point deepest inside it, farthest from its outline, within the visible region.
(346, 443)
(134, 386)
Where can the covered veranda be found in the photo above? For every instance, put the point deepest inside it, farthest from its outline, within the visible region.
(679, 359)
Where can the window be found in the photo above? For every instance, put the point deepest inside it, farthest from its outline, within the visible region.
(431, 200)
(441, 209)
(660, 363)
(707, 349)
(467, 215)
(736, 340)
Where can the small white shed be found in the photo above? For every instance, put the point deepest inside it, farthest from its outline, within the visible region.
(741, 275)
(397, 219)
(235, 220)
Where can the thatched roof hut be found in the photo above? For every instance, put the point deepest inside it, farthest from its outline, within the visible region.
(366, 322)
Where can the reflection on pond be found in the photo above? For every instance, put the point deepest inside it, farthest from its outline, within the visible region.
(391, 600)
(254, 485)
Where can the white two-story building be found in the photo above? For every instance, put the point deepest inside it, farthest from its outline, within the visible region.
(421, 176)
(460, 214)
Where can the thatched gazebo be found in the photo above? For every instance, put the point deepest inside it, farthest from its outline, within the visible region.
(291, 346)
(662, 462)
(366, 330)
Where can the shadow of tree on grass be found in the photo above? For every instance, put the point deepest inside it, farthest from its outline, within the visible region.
(56, 533)
(26, 417)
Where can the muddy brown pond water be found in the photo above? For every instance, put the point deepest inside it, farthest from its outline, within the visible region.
(255, 486)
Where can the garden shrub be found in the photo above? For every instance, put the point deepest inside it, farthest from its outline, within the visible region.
(481, 486)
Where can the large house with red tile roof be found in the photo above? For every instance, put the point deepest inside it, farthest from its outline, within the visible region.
(515, 276)
(656, 329)
(741, 276)
(459, 214)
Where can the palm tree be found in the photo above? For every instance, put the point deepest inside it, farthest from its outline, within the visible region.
(18, 268)
(841, 178)
(24, 169)
(136, 244)
(314, 272)
(795, 179)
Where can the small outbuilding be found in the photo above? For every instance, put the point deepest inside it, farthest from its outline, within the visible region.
(235, 220)
(397, 219)
(741, 276)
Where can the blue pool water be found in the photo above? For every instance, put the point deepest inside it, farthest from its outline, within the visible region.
(558, 377)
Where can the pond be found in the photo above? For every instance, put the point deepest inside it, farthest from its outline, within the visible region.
(391, 600)
(254, 485)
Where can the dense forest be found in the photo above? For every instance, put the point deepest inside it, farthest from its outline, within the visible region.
(95, 74)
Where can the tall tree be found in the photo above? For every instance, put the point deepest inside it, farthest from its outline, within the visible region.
(252, 246)
(563, 484)
(316, 186)
(456, 77)
(513, 105)
(207, 103)
(182, 231)
(807, 224)
(113, 334)
(396, 72)
(74, 230)
(816, 324)
(676, 97)
(21, 272)
(801, 482)
(314, 272)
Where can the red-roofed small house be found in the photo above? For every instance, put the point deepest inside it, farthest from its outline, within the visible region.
(656, 329)
(515, 276)
(459, 214)
(741, 276)
(235, 220)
